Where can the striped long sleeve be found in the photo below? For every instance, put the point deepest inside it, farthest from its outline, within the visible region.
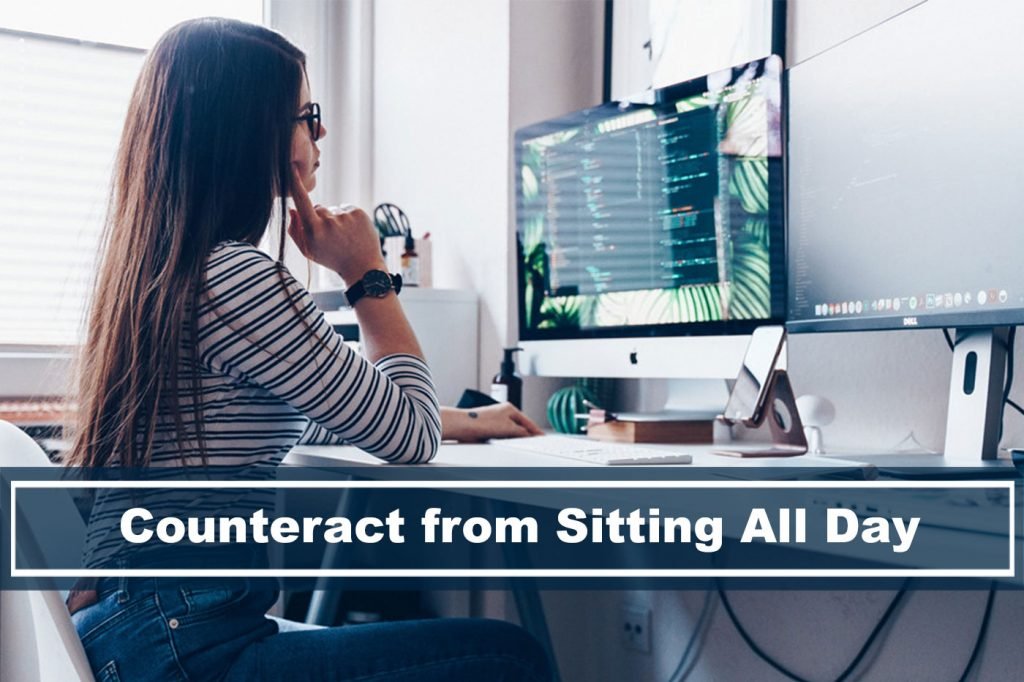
(261, 330)
(271, 372)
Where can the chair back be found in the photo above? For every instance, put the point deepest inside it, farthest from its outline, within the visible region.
(38, 641)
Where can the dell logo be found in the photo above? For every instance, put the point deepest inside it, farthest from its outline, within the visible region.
(632, 357)
(909, 321)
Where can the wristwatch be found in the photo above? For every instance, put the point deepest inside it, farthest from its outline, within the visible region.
(376, 284)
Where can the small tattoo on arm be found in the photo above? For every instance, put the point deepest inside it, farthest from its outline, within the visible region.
(473, 415)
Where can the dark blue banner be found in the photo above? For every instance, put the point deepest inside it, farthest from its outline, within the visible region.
(402, 528)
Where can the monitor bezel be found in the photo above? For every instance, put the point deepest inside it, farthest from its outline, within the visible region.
(777, 217)
(907, 320)
(963, 320)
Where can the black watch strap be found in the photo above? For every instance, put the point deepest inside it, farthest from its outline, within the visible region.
(355, 292)
(376, 284)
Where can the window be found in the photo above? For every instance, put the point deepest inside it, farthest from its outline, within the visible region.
(60, 119)
(61, 114)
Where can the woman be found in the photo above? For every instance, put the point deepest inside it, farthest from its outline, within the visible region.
(203, 351)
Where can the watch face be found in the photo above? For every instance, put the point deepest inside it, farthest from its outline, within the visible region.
(377, 283)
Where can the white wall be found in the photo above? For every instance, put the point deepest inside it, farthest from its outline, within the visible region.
(441, 116)
(813, 633)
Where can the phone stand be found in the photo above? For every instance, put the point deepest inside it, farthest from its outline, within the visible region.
(777, 430)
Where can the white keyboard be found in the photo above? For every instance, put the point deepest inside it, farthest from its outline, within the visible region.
(593, 451)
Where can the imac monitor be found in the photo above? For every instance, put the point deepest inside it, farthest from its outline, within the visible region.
(650, 233)
(904, 201)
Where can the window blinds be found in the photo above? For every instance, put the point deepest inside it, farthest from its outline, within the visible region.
(62, 107)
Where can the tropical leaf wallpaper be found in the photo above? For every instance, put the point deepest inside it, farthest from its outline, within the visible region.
(742, 289)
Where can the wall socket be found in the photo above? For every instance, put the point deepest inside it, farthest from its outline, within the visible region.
(635, 628)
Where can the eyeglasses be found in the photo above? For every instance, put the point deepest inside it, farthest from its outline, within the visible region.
(312, 120)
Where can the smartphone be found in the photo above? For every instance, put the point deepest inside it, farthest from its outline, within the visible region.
(746, 402)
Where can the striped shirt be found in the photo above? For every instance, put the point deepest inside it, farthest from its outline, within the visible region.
(273, 373)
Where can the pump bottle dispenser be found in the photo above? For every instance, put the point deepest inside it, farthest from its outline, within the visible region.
(410, 263)
(507, 385)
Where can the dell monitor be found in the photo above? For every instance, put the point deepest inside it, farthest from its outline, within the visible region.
(904, 198)
(650, 232)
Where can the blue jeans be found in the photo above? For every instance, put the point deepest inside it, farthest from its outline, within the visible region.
(171, 629)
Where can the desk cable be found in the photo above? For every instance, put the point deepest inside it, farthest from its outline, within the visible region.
(790, 674)
(1008, 384)
(700, 628)
(1009, 372)
(982, 631)
(949, 338)
(975, 651)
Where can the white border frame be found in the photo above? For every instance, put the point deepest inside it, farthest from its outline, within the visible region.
(520, 572)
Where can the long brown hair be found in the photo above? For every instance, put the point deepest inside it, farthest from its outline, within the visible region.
(205, 150)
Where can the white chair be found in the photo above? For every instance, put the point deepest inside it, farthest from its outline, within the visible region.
(38, 642)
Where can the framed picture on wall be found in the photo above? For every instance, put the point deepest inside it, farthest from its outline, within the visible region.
(654, 43)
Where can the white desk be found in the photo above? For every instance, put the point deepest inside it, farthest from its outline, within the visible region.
(474, 456)
(494, 455)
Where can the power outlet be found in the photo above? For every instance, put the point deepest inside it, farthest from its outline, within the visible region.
(635, 626)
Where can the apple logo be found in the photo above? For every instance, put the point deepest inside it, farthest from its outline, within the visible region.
(632, 357)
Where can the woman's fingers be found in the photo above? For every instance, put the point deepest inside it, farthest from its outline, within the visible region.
(516, 431)
(513, 414)
(297, 231)
(527, 424)
(346, 243)
(506, 421)
(302, 201)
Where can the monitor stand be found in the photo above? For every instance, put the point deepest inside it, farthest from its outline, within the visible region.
(696, 398)
(686, 399)
(976, 394)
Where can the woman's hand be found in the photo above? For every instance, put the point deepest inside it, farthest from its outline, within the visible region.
(481, 423)
(347, 243)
